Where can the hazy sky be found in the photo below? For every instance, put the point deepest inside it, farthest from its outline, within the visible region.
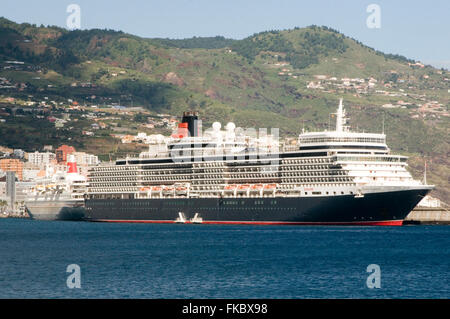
(416, 29)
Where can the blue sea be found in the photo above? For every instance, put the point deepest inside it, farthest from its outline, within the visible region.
(221, 261)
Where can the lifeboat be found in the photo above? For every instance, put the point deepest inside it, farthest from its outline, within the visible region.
(145, 189)
(230, 187)
(243, 187)
(156, 188)
(168, 189)
(256, 187)
(181, 189)
(270, 187)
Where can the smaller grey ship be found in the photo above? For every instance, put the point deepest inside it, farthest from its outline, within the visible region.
(58, 198)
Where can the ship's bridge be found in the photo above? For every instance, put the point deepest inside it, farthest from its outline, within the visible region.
(342, 141)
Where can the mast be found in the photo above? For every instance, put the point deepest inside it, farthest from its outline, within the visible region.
(340, 117)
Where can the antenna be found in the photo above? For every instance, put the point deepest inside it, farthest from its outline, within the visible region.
(339, 117)
(425, 173)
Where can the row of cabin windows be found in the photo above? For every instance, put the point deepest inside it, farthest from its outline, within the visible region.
(308, 140)
(255, 176)
(112, 184)
(167, 172)
(111, 190)
(316, 173)
(209, 164)
(200, 171)
(317, 180)
(306, 161)
(106, 174)
(304, 167)
(113, 168)
(208, 182)
(173, 165)
(166, 178)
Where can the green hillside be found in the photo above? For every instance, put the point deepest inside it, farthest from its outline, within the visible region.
(287, 79)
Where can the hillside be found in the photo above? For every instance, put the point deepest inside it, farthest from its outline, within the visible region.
(288, 79)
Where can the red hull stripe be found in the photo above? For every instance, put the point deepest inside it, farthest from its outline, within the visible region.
(359, 223)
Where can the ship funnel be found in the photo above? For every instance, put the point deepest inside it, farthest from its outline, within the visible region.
(193, 123)
(72, 165)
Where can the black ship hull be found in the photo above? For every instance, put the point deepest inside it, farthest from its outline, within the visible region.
(385, 208)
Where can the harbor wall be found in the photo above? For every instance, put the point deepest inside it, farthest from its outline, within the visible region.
(428, 215)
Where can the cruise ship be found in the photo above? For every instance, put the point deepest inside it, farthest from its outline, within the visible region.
(231, 176)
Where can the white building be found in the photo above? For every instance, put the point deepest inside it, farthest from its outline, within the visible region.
(39, 158)
(82, 158)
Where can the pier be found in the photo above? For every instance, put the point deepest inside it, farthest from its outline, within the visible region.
(428, 216)
(19, 211)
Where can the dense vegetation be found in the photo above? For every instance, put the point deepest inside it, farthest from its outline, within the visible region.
(216, 42)
(159, 95)
(305, 49)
